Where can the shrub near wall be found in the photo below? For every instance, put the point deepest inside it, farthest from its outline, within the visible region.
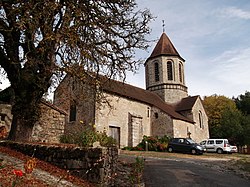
(151, 143)
(96, 165)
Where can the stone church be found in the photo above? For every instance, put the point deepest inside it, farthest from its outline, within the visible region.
(163, 108)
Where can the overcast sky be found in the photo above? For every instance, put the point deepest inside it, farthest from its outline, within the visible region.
(213, 36)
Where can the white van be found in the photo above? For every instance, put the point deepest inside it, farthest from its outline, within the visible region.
(216, 145)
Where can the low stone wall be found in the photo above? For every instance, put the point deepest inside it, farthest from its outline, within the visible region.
(96, 165)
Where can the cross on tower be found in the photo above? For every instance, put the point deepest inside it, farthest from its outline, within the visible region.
(163, 26)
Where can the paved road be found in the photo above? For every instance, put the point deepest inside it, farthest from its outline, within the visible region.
(180, 173)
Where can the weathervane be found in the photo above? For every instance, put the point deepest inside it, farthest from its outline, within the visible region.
(163, 26)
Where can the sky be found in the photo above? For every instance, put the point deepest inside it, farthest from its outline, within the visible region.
(213, 36)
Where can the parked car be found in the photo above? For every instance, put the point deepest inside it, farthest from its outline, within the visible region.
(234, 149)
(216, 145)
(184, 145)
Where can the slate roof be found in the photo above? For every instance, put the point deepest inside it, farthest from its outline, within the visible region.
(141, 95)
(164, 47)
(186, 103)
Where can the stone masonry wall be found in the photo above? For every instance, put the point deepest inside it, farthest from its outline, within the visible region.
(5, 116)
(173, 90)
(96, 165)
(73, 91)
(122, 115)
(49, 128)
(200, 130)
(162, 124)
(181, 129)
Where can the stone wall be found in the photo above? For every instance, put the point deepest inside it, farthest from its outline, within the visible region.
(5, 118)
(201, 129)
(181, 129)
(126, 115)
(97, 165)
(72, 91)
(49, 128)
(162, 124)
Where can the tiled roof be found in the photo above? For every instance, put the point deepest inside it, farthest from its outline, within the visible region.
(186, 103)
(142, 95)
(164, 47)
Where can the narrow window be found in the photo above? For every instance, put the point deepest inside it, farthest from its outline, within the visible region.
(170, 70)
(200, 120)
(72, 114)
(157, 76)
(148, 112)
(180, 72)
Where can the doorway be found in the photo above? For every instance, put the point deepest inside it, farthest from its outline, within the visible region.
(114, 132)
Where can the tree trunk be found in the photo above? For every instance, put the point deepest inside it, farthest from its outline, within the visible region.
(20, 130)
(26, 111)
(29, 81)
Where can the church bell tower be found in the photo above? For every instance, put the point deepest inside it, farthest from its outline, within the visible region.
(165, 72)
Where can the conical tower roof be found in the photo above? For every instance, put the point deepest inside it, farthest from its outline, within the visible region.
(164, 47)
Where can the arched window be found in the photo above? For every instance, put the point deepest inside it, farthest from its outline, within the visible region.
(180, 72)
(157, 76)
(170, 70)
(200, 120)
(72, 113)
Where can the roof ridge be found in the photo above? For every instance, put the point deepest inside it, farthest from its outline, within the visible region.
(165, 47)
(144, 96)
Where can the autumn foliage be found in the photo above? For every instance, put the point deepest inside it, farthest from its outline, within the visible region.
(41, 40)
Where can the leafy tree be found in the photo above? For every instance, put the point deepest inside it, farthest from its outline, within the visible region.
(231, 126)
(243, 103)
(39, 39)
(215, 106)
(245, 138)
(224, 119)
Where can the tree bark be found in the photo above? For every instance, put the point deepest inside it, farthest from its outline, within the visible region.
(20, 130)
(25, 111)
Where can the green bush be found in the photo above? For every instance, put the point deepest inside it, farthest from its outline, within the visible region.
(137, 170)
(155, 143)
(87, 138)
